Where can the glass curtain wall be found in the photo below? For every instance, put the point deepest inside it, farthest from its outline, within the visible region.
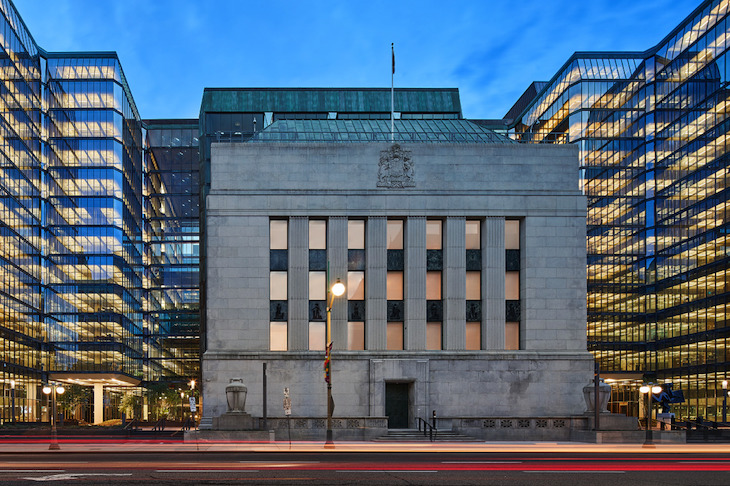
(652, 131)
(172, 337)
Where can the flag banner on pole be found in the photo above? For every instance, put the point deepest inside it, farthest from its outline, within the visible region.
(328, 350)
(392, 50)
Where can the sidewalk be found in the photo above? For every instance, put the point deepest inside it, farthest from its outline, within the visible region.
(81, 446)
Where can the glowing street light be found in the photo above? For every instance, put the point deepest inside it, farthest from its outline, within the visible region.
(649, 390)
(337, 290)
(51, 393)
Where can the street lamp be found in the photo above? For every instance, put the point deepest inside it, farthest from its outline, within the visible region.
(12, 400)
(337, 290)
(51, 393)
(724, 401)
(649, 390)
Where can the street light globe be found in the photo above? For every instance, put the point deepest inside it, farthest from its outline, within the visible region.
(60, 390)
(338, 288)
(644, 389)
(656, 389)
(724, 384)
(47, 390)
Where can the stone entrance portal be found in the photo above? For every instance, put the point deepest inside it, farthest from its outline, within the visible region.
(396, 405)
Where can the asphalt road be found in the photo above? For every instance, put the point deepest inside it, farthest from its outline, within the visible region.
(434, 468)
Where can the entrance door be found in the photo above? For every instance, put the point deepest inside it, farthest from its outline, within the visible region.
(396, 405)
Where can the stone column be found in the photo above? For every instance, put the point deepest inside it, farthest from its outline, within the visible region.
(376, 303)
(493, 275)
(98, 403)
(298, 283)
(337, 257)
(415, 283)
(454, 275)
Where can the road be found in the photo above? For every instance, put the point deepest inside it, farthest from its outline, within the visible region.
(366, 468)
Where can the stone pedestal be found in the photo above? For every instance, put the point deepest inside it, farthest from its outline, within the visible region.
(235, 421)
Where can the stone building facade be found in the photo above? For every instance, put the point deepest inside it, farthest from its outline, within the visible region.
(465, 269)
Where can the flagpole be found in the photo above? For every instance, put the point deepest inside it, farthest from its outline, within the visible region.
(392, 107)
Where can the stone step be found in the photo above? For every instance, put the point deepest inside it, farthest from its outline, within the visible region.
(414, 435)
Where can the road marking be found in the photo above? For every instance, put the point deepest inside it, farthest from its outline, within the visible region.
(577, 472)
(278, 464)
(66, 477)
(482, 462)
(384, 471)
(204, 470)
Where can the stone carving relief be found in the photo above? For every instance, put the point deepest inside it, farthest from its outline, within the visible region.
(396, 169)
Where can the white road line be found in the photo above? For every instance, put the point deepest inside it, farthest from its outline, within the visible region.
(67, 476)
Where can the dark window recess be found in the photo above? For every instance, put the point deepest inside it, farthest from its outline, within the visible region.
(318, 260)
(434, 260)
(512, 260)
(278, 310)
(395, 310)
(434, 311)
(473, 260)
(356, 260)
(278, 260)
(473, 310)
(356, 310)
(512, 310)
(317, 310)
(395, 260)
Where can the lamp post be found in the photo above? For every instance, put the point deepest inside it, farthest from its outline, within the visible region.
(337, 290)
(724, 401)
(51, 393)
(12, 400)
(648, 390)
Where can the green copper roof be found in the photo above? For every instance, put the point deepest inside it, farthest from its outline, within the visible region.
(413, 131)
(322, 100)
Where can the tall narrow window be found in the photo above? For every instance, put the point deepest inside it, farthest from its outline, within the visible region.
(356, 284)
(394, 284)
(278, 284)
(512, 283)
(434, 284)
(317, 284)
(473, 285)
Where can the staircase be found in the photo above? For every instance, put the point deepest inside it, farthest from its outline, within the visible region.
(414, 435)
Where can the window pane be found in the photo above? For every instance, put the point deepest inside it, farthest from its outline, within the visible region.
(317, 285)
(433, 335)
(511, 234)
(395, 336)
(355, 285)
(433, 285)
(394, 286)
(473, 239)
(433, 235)
(317, 234)
(395, 235)
(356, 336)
(277, 286)
(277, 234)
(512, 286)
(512, 336)
(356, 235)
(317, 336)
(473, 285)
(473, 336)
(277, 336)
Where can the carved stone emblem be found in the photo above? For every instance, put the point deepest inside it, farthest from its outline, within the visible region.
(395, 168)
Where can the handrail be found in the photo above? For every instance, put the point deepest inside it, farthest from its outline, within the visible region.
(432, 431)
(132, 425)
(160, 425)
(186, 425)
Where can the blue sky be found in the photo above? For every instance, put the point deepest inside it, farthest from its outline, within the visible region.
(170, 50)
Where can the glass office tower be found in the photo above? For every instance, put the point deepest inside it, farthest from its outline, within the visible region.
(652, 128)
(72, 301)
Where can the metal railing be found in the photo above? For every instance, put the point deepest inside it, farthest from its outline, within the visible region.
(432, 430)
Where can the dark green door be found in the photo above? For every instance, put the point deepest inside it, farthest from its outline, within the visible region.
(396, 405)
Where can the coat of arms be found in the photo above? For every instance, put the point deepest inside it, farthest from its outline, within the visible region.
(395, 168)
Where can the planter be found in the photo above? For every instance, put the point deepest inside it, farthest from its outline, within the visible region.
(604, 394)
(236, 395)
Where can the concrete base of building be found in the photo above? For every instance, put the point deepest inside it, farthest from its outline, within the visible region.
(628, 436)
